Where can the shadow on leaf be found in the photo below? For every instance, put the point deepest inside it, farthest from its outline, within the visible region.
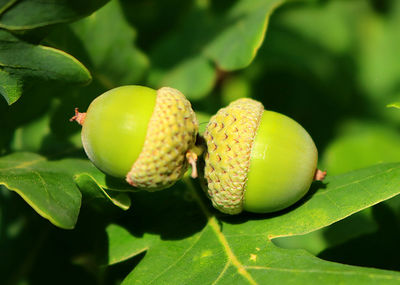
(379, 249)
(172, 214)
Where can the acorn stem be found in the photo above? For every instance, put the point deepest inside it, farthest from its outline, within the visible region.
(79, 117)
(191, 157)
(319, 175)
(193, 154)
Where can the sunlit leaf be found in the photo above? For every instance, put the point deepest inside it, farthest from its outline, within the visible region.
(394, 105)
(240, 248)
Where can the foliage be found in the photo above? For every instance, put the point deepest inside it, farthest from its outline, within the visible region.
(331, 65)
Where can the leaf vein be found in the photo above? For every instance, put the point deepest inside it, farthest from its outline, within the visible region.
(295, 270)
(222, 272)
(179, 259)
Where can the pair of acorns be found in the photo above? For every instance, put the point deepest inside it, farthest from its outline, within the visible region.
(255, 160)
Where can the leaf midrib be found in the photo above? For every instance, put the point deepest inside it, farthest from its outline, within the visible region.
(213, 223)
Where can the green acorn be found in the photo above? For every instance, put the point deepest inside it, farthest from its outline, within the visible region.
(144, 135)
(258, 161)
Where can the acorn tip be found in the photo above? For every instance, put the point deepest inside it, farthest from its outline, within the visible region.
(319, 175)
(79, 117)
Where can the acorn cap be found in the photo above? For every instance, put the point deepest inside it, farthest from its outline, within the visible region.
(171, 133)
(229, 136)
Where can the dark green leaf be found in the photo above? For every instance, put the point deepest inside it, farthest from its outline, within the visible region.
(378, 46)
(43, 185)
(109, 42)
(30, 137)
(230, 39)
(247, 21)
(20, 59)
(122, 245)
(30, 14)
(49, 186)
(11, 86)
(355, 29)
(196, 76)
(97, 196)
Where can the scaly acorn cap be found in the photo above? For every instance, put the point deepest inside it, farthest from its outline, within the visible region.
(171, 134)
(229, 136)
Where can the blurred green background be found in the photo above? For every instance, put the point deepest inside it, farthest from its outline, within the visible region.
(333, 66)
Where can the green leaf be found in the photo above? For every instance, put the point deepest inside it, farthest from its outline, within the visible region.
(21, 59)
(233, 88)
(11, 86)
(49, 186)
(196, 76)
(335, 17)
(209, 258)
(239, 248)
(358, 224)
(203, 119)
(344, 195)
(30, 14)
(378, 47)
(394, 105)
(348, 150)
(355, 30)
(94, 193)
(247, 21)
(30, 137)
(123, 245)
(43, 185)
(230, 39)
(109, 42)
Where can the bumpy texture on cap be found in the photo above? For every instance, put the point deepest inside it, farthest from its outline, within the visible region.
(229, 136)
(170, 134)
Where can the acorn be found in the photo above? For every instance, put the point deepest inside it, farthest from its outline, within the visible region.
(258, 161)
(144, 135)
